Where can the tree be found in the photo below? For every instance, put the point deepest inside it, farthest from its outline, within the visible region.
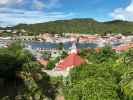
(45, 55)
(92, 89)
(128, 57)
(88, 26)
(8, 64)
(64, 54)
(26, 79)
(127, 84)
(51, 63)
(60, 46)
(12, 59)
(93, 82)
(105, 54)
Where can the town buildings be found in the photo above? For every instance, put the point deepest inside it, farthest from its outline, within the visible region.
(123, 47)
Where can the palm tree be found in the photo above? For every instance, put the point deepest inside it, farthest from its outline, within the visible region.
(18, 63)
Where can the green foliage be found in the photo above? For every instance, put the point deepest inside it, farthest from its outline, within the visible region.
(98, 80)
(127, 84)
(51, 63)
(92, 89)
(85, 71)
(89, 26)
(12, 59)
(37, 83)
(60, 46)
(45, 55)
(92, 82)
(108, 76)
(105, 54)
(5, 34)
(128, 57)
(84, 52)
(64, 54)
(8, 64)
(23, 78)
(102, 55)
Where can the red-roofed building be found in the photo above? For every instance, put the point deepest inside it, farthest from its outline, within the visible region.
(90, 38)
(70, 61)
(123, 47)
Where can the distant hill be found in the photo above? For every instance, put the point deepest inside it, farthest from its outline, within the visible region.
(85, 25)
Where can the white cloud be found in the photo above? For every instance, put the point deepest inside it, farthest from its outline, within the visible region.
(10, 16)
(124, 13)
(29, 14)
(36, 4)
(10, 2)
(50, 4)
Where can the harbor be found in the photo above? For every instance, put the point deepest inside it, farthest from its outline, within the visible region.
(67, 45)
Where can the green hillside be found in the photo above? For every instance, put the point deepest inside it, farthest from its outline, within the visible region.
(79, 26)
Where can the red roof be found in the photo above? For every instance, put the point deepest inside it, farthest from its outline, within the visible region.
(70, 61)
(123, 47)
(89, 38)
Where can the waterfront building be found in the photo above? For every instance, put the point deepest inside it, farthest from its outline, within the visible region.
(89, 38)
(24, 38)
(123, 47)
(46, 36)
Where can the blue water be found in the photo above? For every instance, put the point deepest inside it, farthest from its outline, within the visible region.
(67, 45)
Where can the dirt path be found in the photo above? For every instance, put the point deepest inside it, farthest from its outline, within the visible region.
(53, 73)
(60, 97)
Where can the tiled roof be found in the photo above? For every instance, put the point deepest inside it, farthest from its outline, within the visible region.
(123, 47)
(71, 60)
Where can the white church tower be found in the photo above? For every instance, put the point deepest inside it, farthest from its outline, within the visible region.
(73, 49)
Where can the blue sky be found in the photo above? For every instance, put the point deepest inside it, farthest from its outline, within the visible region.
(13, 12)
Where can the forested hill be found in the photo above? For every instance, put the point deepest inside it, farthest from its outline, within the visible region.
(79, 26)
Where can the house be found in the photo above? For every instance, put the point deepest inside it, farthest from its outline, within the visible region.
(71, 61)
(24, 38)
(46, 36)
(123, 47)
(90, 38)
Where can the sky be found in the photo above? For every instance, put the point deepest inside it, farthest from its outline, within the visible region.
(13, 12)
